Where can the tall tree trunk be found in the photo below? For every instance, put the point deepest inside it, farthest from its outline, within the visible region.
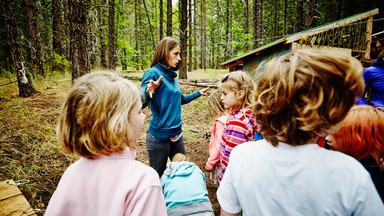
(34, 38)
(137, 36)
(204, 34)
(275, 18)
(217, 33)
(299, 16)
(78, 12)
(190, 35)
(149, 24)
(68, 28)
(227, 21)
(310, 13)
(103, 47)
(111, 35)
(57, 32)
(285, 17)
(195, 34)
(183, 38)
(24, 80)
(257, 22)
(161, 33)
(246, 16)
(169, 18)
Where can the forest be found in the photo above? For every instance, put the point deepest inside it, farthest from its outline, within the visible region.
(43, 37)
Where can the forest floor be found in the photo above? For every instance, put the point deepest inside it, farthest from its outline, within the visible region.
(29, 152)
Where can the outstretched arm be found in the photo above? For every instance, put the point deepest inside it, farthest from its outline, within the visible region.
(152, 86)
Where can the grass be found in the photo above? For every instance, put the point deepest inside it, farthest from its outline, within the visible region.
(28, 149)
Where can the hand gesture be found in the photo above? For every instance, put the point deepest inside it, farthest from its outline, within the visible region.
(152, 86)
(204, 91)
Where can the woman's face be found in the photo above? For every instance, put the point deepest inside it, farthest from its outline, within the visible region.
(174, 57)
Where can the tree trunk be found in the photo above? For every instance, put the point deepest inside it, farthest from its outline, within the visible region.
(24, 80)
(183, 38)
(195, 34)
(217, 34)
(310, 13)
(227, 21)
(246, 16)
(57, 33)
(169, 18)
(34, 38)
(149, 24)
(257, 22)
(299, 16)
(204, 34)
(111, 35)
(161, 33)
(78, 12)
(275, 18)
(190, 36)
(285, 17)
(103, 47)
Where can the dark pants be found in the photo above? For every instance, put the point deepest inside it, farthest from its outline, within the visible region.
(159, 151)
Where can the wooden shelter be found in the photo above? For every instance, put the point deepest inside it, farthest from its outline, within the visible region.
(350, 36)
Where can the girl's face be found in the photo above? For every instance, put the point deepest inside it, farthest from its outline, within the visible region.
(229, 98)
(174, 57)
(136, 120)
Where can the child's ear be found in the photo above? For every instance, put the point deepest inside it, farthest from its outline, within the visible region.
(240, 94)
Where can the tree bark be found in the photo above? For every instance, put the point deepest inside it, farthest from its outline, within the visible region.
(310, 13)
(111, 35)
(36, 54)
(57, 44)
(190, 35)
(103, 47)
(169, 18)
(204, 34)
(257, 22)
(161, 18)
(299, 16)
(78, 55)
(24, 80)
(183, 38)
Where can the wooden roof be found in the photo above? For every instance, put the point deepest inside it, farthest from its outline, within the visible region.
(306, 33)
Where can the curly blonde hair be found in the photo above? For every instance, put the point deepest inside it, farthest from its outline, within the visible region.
(239, 81)
(302, 95)
(94, 118)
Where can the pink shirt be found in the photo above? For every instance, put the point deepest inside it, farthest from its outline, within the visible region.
(214, 143)
(110, 185)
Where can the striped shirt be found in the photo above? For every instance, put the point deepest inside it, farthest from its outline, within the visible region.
(238, 129)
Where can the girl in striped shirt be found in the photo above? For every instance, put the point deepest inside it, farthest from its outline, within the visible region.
(238, 96)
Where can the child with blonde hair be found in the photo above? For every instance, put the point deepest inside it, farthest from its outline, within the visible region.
(184, 187)
(301, 96)
(238, 95)
(216, 110)
(100, 120)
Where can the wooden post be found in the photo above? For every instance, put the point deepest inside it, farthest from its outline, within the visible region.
(367, 54)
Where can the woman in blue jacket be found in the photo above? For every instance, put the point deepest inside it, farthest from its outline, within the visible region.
(163, 94)
(374, 83)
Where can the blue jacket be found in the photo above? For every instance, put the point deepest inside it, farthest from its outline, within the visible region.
(183, 184)
(374, 78)
(165, 103)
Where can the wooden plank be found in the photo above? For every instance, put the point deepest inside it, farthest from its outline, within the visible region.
(341, 51)
(343, 22)
(368, 36)
(12, 201)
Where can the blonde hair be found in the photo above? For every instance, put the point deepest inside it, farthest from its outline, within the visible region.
(179, 157)
(215, 105)
(239, 81)
(303, 94)
(94, 118)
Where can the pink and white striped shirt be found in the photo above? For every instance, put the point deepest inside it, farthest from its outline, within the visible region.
(238, 129)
